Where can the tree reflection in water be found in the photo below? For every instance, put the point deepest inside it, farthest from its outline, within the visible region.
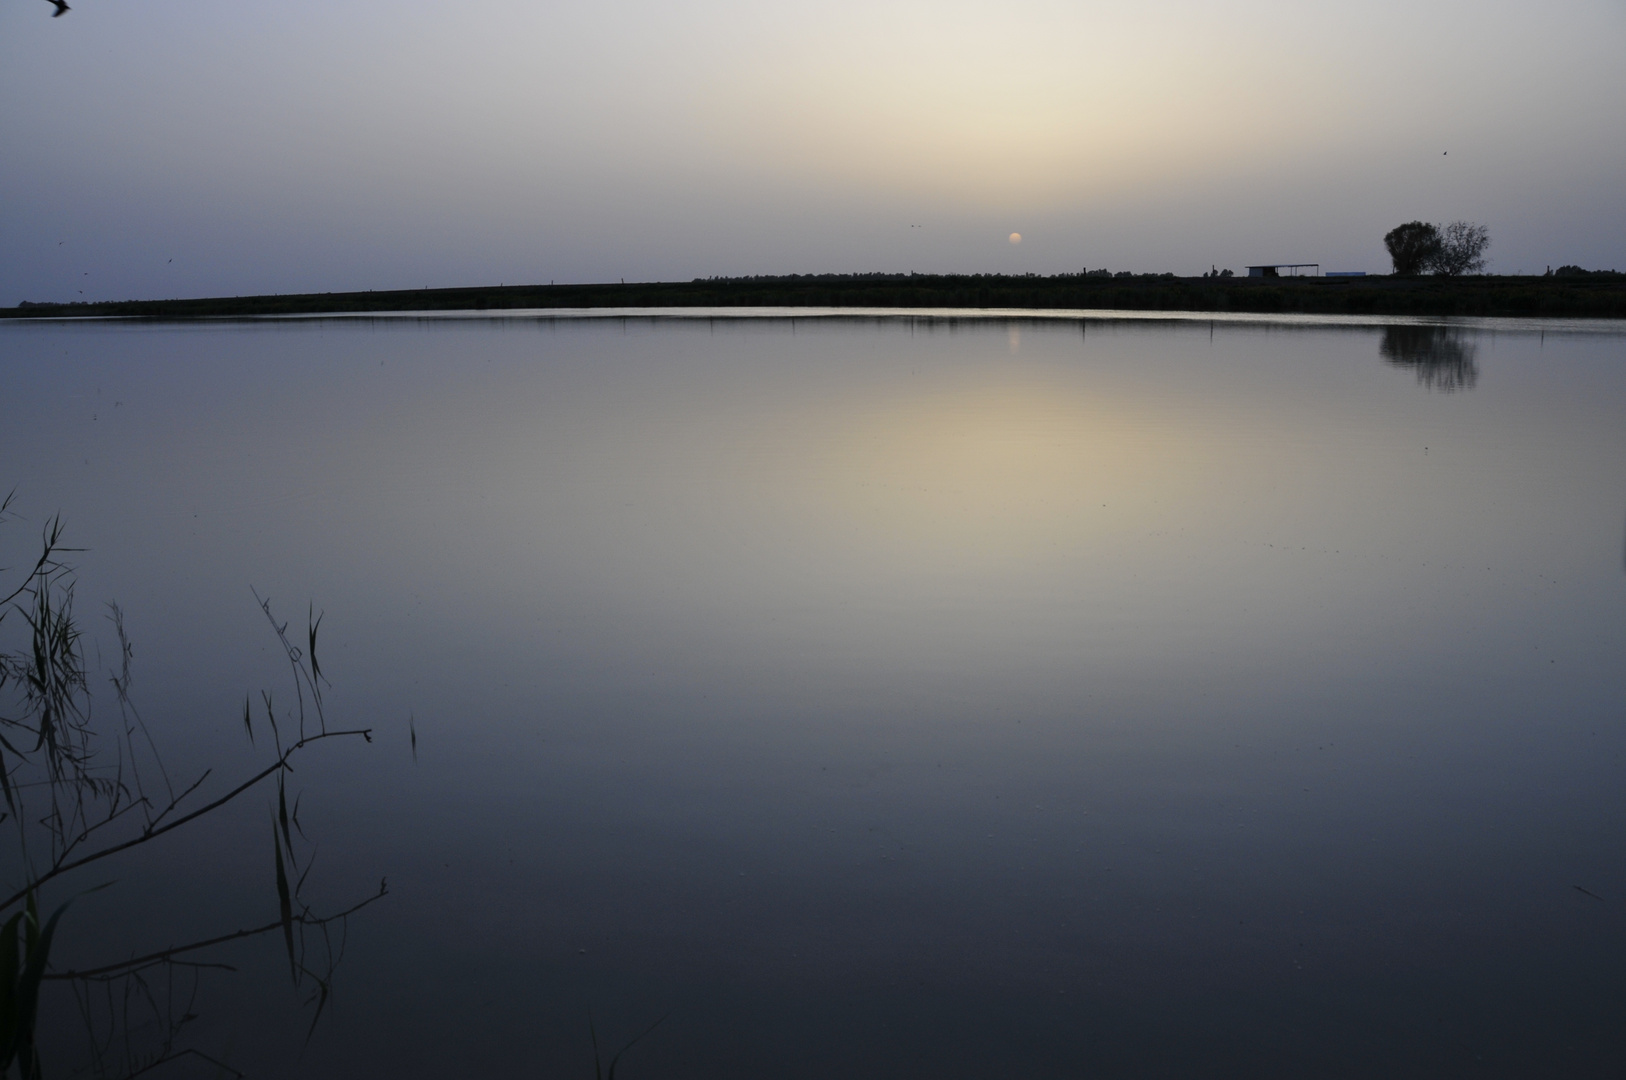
(1442, 356)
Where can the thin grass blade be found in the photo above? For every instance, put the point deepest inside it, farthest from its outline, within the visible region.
(285, 901)
(28, 986)
(315, 625)
(282, 815)
(9, 963)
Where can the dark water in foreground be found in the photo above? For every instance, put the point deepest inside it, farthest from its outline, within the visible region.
(879, 698)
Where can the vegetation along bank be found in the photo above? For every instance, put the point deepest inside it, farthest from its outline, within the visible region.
(1573, 294)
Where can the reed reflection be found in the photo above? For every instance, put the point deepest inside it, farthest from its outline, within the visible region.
(1442, 356)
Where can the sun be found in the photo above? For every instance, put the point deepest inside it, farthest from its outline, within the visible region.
(1016, 238)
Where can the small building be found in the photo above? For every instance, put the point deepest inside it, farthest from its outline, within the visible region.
(1275, 270)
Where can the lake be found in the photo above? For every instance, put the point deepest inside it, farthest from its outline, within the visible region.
(890, 694)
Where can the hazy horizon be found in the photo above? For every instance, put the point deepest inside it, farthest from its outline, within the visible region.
(187, 149)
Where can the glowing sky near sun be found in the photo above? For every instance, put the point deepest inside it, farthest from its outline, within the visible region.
(339, 145)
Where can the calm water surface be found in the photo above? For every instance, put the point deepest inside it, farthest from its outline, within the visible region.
(880, 697)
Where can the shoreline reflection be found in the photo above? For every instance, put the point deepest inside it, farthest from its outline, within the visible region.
(1442, 356)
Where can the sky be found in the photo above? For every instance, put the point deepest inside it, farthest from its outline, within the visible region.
(199, 148)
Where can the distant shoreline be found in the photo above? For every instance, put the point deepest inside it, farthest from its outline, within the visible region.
(1598, 295)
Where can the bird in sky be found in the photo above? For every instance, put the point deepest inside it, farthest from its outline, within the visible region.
(61, 8)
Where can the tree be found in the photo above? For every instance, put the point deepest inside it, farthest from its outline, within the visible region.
(1413, 246)
(75, 791)
(1461, 249)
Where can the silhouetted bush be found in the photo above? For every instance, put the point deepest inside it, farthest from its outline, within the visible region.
(1418, 247)
(1412, 246)
(1461, 249)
